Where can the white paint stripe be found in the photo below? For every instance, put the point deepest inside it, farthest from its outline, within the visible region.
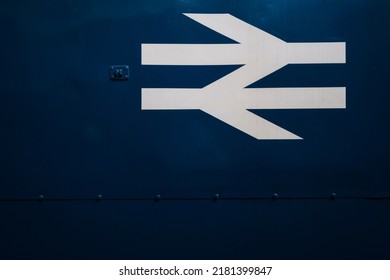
(292, 98)
(251, 123)
(243, 77)
(233, 28)
(193, 54)
(256, 98)
(171, 99)
(310, 53)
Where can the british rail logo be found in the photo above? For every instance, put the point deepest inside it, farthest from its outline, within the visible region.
(228, 99)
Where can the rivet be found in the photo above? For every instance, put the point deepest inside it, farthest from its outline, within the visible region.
(41, 197)
(157, 197)
(333, 196)
(216, 196)
(275, 196)
(99, 197)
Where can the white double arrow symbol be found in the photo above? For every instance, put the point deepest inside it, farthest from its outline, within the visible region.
(227, 99)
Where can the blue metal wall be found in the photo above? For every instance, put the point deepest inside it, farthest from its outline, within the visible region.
(69, 134)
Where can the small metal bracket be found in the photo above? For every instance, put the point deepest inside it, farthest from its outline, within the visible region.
(119, 72)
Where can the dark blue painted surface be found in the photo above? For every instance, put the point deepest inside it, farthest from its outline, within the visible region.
(68, 131)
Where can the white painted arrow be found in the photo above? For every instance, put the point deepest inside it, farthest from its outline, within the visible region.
(227, 98)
